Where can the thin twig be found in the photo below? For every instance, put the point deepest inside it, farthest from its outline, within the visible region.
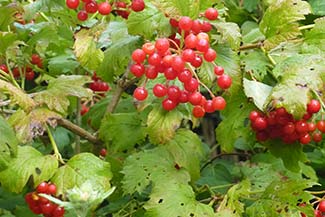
(220, 155)
(251, 46)
(78, 130)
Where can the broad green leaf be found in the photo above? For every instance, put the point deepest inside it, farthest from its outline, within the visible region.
(279, 22)
(6, 39)
(156, 166)
(255, 63)
(62, 64)
(149, 23)
(318, 7)
(234, 126)
(8, 144)
(315, 38)
(7, 16)
(251, 32)
(290, 154)
(86, 50)
(251, 5)
(232, 198)
(29, 163)
(18, 96)
(296, 83)
(162, 124)
(230, 33)
(55, 97)
(285, 50)
(175, 199)
(122, 130)
(121, 43)
(186, 148)
(81, 168)
(258, 91)
(43, 34)
(32, 124)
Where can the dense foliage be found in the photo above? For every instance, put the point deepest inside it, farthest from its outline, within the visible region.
(162, 108)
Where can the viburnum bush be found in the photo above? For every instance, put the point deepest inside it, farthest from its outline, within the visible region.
(167, 108)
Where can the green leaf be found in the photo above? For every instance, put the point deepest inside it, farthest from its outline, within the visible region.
(86, 50)
(81, 168)
(18, 96)
(285, 50)
(315, 38)
(162, 124)
(149, 23)
(318, 7)
(32, 124)
(206, 74)
(121, 43)
(155, 166)
(177, 199)
(6, 39)
(258, 91)
(8, 144)
(255, 63)
(279, 22)
(55, 97)
(62, 64)
(29, 164)
(186, 148)
(7, 16)
(234, 126)
(251, 32)
(296, 83)
(122, 130)
(251, 5)
(230, 33)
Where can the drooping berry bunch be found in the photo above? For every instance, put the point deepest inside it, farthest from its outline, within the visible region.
(104, 8)
(180, 58)
(41, 205)
(279, 124)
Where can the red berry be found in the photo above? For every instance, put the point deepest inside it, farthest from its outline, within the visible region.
(185, 23)
(196, 26)
(260, 123)
(191, 41)
(168, 104)
(173, 93)
(4, 68)
(321, 126)
(192, 85)
(218, 70)
(103, 152)
(206, 26)
(219, 103)
(317, 137)
(148, 48)
(72, 4)
(29, 75)
(289, 128)
(253, 115)
(47, 208)
(208, 106)
(104, 8)
(170, 73)
(173, 22)
(58, 212)
(183, 98)
(312, 127)
(301, 127)
(82, 15)
(178, 64)
(140, 93)
(185, 76)
(195, 98)
(151, 72)
(321, 206)
(35, 59)
(159, 90)
(162, 45)
(305, 139)
(313, 106)
(91, 7)
(318, 213)
(154, 59)
(42, 187)
(202, 45)
(211, 14)
(198, 111)
(224, 81)
(210, 55)
(84, 109)
(138, 56)
(188, 55)
(137, 70)
(137, 5)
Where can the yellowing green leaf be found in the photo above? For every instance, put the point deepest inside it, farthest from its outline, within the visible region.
(315, 38)
(29, 163)
(230, 33)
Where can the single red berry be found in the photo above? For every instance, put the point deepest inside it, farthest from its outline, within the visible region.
(184, 76)
(178, 64)
(30, 75)
(313, 106)
(192, 85)
(188, 55)
(137, 5)
(206, 26)
(104, 8)
(103, 152)
(208, 106)
(311, 127)
(82, 15)
(173, 93)
(154, 59)
(321, 206)
(47, 208)
(260, 123)
(72, 4)
(301, 127)
(317, 137)
(151, 72)
(138, 55)
(224, 81)
(289, 128)
(159, 90)
(197, 62)
(162, 45)
(195, 98)
(84, 109)
(42, 187)
(321, 126)
(211, 14)
(58, 212)
(168, 104)
(305, 139)
(183, 98)
(140, 93)
(173, 22)
(51, 189)
(35, 59)
(202, 45)
(191, 41)
(137, 70)
(196, 26)
(91, 7)
(253, 115)
(219, 103)
(4, 68)
(210, 55)
(185, 23)
(148, 48)
(218, 70)
(198, 111)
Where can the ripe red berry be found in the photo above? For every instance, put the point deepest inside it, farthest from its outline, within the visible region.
(313, 106)
(173, 22)
(188, 55)
(197, 62)
(253, 115)
(202, 45)
(148, 48)
(317, 137)
(178, 64)
(185, 23)
(162, 45)
(198, 111)
(137, 5)
(301, 127)
(137, 70)
(84, 109)
(321, 126)
(30, 75)
(196, 26)
(4, 68)
(58, 212)
(321, 206)
(224, 81)
(140, 93)
(82, 15)
(206, 26)
(103, 152)
(72, 4)
(168, 104)
(211, 14)
(219, 103)
(51, 189)
(104, 8)
(47, 208)
(191, 41)
(260, 123)
(159, 90)
(170, 73)
(184, 76)
(208, 106)
(305, 139)
(154, 59)
(289, 128)
(218, 70)
(195, 98)
(151, 72)
(42, 187)
(91, 7)
(192, 85)
(35, 59)
(173, 93)
(138, 55)
(210, 55)
(183, 98)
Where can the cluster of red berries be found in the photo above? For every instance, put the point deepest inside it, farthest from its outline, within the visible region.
(105, 8)
(176, 61)
(320, 210)
(27, 70)
(41, 205)
(280, 124)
